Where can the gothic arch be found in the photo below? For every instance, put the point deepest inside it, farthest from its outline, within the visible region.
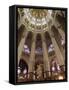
(23, 65)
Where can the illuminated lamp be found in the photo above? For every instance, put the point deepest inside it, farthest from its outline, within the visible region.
(25, 71)
(58, 67)
(60, 77)
(19, 70)
(53, 68)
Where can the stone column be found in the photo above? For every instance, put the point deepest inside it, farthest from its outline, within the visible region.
(32, 57)
(21, 45)
(56, 49)
(45, 57)
(61, 32)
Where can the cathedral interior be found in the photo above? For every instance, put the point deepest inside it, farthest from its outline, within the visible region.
(41, 44)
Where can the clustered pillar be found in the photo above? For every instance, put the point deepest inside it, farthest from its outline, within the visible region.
(45, 58)
(21, 45)
(56, 49)
(32, 57)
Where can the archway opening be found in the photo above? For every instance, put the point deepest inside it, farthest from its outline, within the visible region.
(22, 70)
